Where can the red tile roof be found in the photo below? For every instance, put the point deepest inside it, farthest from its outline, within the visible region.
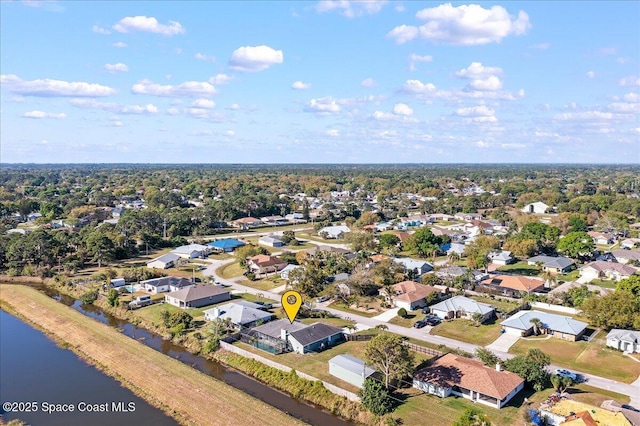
(410, 291)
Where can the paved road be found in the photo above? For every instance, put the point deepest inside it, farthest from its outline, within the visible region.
(632, 390)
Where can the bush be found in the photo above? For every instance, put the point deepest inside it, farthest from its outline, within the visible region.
(89, 297)
(402, 312)
(375, 397)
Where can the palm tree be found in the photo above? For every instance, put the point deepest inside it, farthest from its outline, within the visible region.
(560, 383)
(549, 278)
(453, 256)
(537, 325)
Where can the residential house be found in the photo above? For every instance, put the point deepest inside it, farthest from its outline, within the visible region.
(629, 243)
(555, 264)
(559, 326)
(165, 284)
(538, 208)
(452, 272)
(468, 217)
(31, 217)
(264, 264)
(471, 379)
(606, 270)
(440, 217)
(334, 232)
(319, 250)
(601, 238)
(274, 220)
(410, 295)
(462, 307)
(503, 257)
(626, 256)
(563, 288)
(240, 314)
(314, 338)
(295, 218)
(271, 241)
(419, 267)
(624, 340)
(272, 337)
(226, 245)
(247, 222)
(284, 274)
(574, 413)
(350, 369)
(165, 261)
(197, 296)
(456, 248)
(511, 285)
(192, 251)
(403, 236)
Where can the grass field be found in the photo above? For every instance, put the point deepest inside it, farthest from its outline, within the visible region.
(183, 392)
(590, 357)
(153, 313)
(343, 307)
(604, 283)
(264, 284)
(408, 321)
(466, 331)
(231, 270)
(502, 304)
(521, 268)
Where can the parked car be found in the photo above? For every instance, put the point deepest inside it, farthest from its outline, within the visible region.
(432, 321)
(426, 310)
(139, 302)
(419, 324)
(322, 299)
(566, 373)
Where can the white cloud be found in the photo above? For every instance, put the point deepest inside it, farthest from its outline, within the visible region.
(625, 107)
(234, 107)
(220, 79)
(540, 46)
(120, 44)
(463, 25)
(147, 24)
(113, 68)
(631, 80)
(402, 109)
(413, 59)
(99, 30)
(173, 111)
(117, 123)
(139, 109)
(230, 133)
(42, 114)
(399, 8)
(52, 88)
(631, 97)
(203, 57)
(255, 58)
(333, 133)
(368, 82)
(323, 106)
(513, 145)
(478, 114)
(351, 9)
(186, 89)
(584, 115)
(416, 86)
(299, 85)
(203, 103)
(482, 78)
(591, 74)
(492, 83)
(482, 144)
(623, 59)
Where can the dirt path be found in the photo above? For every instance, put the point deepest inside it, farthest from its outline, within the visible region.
(183, 392)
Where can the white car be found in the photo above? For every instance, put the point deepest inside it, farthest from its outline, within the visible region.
(566, 373)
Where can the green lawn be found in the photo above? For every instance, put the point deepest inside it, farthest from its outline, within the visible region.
(408, 321)
(605, 283)
(152, 313)
(521, 268)
(499, 303)
(341, 306)
(231, 270)
(336, 322)
(590, 357)
(264, 284)
(467, 331)
(305, 236)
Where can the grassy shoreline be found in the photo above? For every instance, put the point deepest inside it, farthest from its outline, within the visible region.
(195, 398)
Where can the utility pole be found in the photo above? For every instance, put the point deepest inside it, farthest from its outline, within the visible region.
(164, 228)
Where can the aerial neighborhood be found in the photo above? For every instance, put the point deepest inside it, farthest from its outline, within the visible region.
(493, 289)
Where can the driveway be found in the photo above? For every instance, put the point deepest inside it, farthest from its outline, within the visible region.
(386, 316)
(503, 343)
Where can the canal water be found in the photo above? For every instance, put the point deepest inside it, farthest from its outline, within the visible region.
(306, 412)
(33, 369)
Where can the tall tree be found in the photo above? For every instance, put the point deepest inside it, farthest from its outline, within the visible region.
(387, 354)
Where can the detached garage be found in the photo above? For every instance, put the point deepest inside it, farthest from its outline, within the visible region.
(350, 369)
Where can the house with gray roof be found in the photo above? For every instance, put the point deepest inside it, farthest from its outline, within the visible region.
(241, 313)
(165, 261)
(271, 241)
(197, 296)
(350, 369)
(624, 340)
(462, 307)
(559, 326)
(165, 284)
(555, 264)
(503, 257)
(626, 256)
(314, 338)
(192, 251)
(334, 232)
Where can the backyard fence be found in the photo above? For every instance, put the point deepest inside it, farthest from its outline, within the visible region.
(422, 349)
(359, 337)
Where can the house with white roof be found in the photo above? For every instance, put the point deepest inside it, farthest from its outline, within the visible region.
(241, 313)
(271, 241)
(559, 326)
(334, 232)
(555, 264)
(624, 340)
(165, 261)
(192, 251)
(537, 207)
(420, 267)
(350, 369)
(503, 257)
(462, 307)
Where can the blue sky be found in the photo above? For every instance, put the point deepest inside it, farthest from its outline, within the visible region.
(319, 82)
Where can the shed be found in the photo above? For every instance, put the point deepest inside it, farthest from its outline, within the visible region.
(117, 282)
(350, 369)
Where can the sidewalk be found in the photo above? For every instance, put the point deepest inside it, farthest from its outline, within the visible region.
(387, 315)
(503, 343)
